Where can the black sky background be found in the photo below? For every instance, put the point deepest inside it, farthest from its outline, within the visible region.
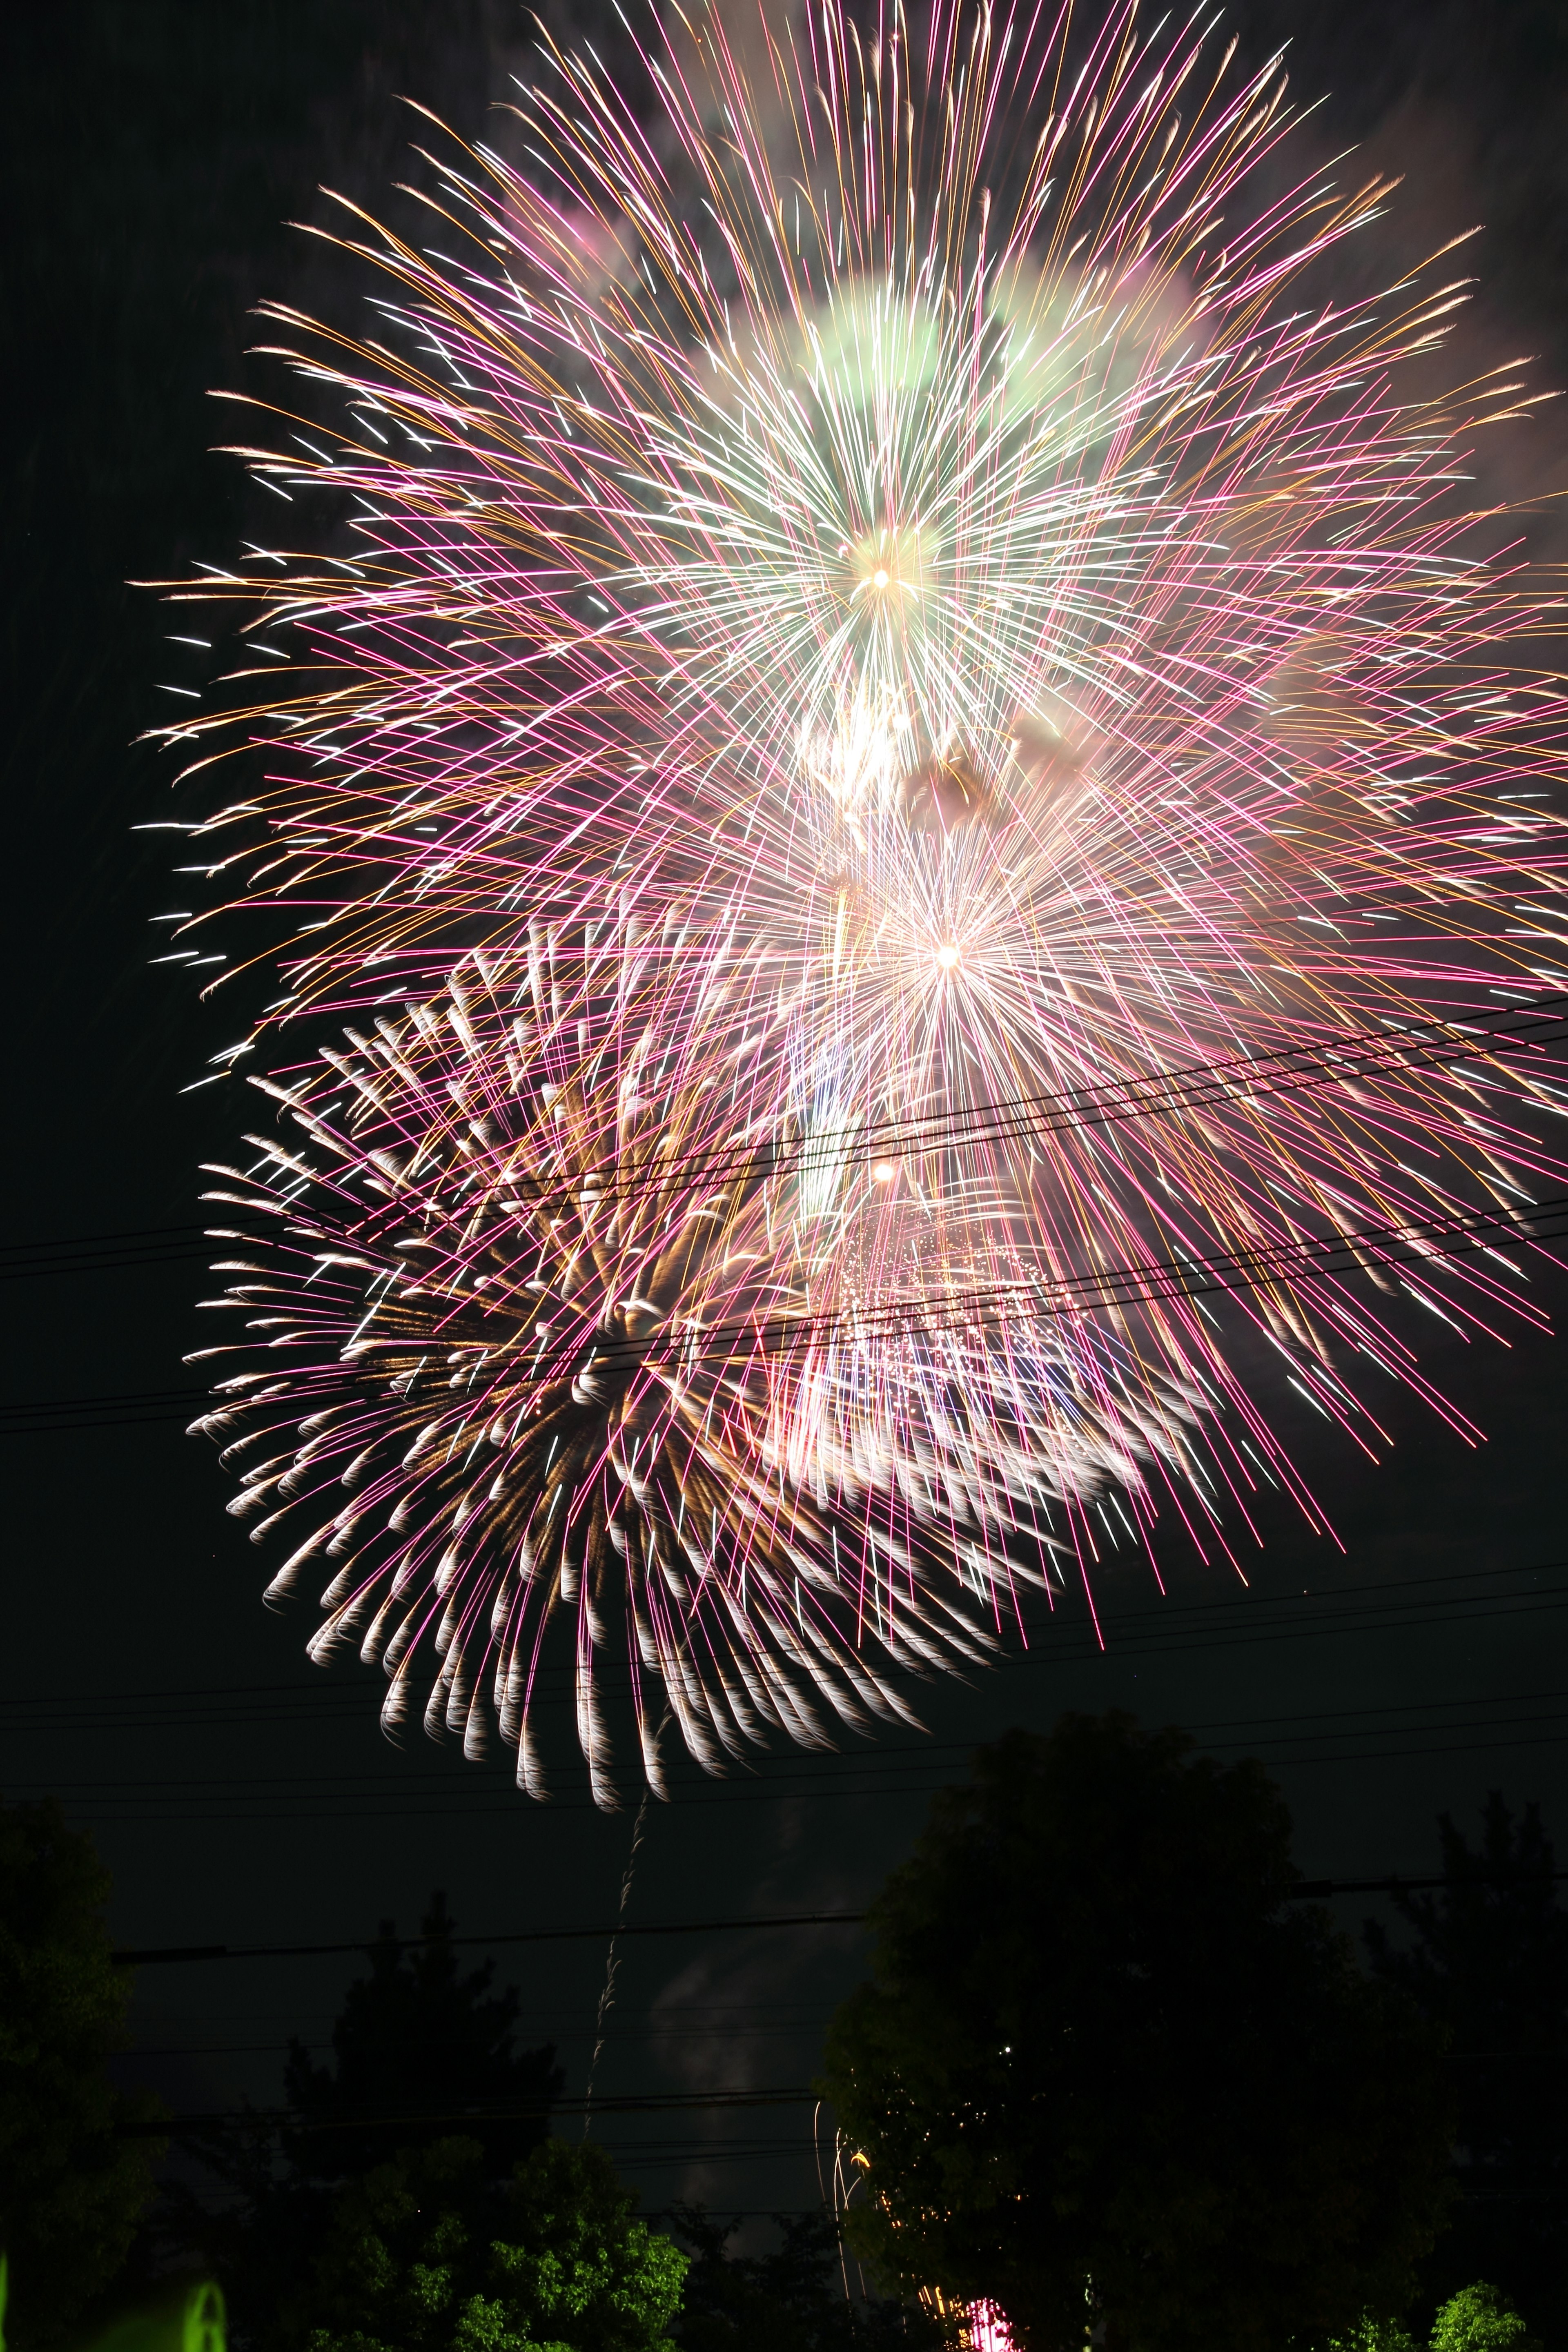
(155, 149)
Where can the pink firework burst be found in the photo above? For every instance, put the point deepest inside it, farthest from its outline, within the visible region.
(917, 766)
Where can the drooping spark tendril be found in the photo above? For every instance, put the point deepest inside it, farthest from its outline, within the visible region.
(890, 617)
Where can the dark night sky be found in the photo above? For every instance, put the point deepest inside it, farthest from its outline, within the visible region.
(239, 1795)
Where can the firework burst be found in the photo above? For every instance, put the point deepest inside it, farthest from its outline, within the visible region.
(915, 746)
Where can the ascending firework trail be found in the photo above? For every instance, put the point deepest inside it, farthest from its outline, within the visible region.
(913, 737)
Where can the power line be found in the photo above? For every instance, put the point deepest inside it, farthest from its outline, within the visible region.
(1061, 1295)
(588, 2035)
(101, 1253)
(1161, 1632)
(925, 1754)
(627, 2104)
(791, 1785)
(180, 1952)
(1357, 1055)
(1162, 1614)
(653, 2103)
(306, 1813)
(1302, 1891)
(125, 1410)
(584, 2038)
(863, 1776)
(127, 1235)
(1455, 1234)
(1188, 1275)
(1244, 1076)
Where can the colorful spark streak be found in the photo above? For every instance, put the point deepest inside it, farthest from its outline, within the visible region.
(913, 743)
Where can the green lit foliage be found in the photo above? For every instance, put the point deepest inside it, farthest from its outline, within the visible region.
(429, 2254)
(1481, 2318)
(1104, 2074)
(1372, 2334)
(72, 2183)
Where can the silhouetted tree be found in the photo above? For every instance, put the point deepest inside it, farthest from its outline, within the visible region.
(418, 2047)
(420, 2051)
(792, 2299)
(73, 2182)
(1488, 1962)
(1106, 2071)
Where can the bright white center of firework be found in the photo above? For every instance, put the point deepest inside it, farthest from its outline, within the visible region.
(886, 566)
(883, 1174)
(947, 955)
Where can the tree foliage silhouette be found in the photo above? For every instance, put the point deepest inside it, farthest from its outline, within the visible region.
(791, 2299)
(71, 2183)
(1487, 1961)
(420, 2051)
(1104, 2072)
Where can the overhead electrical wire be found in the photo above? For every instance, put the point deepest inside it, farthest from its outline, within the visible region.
(925, 1753)
(1450, 1235)
(1539, 1023)
(1301, 1891)
(106, 1253)
(1355, 1056)
(225, 1695)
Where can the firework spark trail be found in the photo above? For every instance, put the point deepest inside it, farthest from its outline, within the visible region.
(916, 731)
(508, 1371)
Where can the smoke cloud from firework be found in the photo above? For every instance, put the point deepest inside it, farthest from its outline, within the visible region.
(914, 767)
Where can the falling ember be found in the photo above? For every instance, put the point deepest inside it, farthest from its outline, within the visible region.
(860, 531)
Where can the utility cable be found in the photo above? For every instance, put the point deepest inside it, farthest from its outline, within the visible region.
(1452, 1234)
(1534, 1024)
(1304, 1890)
(102, 1253)
(631, 2104)
(1246, 1079)
(1164, 1615)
